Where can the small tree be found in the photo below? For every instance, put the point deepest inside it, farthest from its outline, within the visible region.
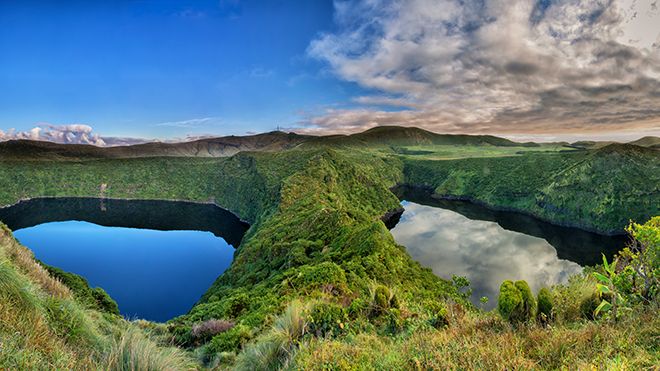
(509, 301)
(545, 305)
(528, 310)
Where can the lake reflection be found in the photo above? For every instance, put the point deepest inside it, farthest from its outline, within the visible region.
(452, 244)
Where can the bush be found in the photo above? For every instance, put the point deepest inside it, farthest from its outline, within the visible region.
(327, 276)
(326, 319)
(229, 341)
(545, 305)
(357, 308)
(510, 302)
(381, 300)
(441, 318)
(237, 304)
(205, 330)
(394, 321)
(528, 310)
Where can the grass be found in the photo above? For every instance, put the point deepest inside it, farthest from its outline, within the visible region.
(317, 237)
(43, 326)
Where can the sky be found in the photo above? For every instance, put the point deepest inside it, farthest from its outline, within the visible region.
(121, 72)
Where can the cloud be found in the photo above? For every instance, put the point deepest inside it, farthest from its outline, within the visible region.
(67, 134)
(192, 123)
(496, 66)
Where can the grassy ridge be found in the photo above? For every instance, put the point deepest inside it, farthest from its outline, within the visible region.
(600, 190)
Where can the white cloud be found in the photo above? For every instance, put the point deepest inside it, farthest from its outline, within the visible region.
(191, 123)
(496, 66)
(66, 134)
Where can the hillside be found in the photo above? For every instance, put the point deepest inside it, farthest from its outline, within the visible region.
(598, 190)
(211, 147)
(651, 142)
(230, 145)
(318, 280)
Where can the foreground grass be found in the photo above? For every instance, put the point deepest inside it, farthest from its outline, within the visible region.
(43, 326)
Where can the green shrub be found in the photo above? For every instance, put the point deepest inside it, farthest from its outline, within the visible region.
(381, 300)
(229, 341)
(395, 321)
(326, 319)
(237, 304)
(589, 304)
(528, 310)
(327, 276)
(510, 301)
(545, 305)
(357, 308)
(104, 302)
(440, 318)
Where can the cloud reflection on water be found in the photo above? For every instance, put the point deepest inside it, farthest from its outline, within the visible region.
(451, 244)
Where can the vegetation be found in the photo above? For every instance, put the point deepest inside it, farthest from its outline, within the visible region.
(319, 282)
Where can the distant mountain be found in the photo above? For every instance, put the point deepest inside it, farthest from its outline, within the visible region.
(407, 136)
(211, 147)
(651, 142)
(272, 141)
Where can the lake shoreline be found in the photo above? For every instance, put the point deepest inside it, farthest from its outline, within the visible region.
(431, 193)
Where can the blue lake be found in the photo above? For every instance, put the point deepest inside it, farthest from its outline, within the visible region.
(156, 259)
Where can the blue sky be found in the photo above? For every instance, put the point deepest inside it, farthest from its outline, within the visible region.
(163, 68)
(80, 71)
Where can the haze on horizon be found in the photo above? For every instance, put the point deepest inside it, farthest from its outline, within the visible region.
(109, 73)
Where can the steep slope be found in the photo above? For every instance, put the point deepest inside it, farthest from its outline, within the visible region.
(45, 324)
(598, 190)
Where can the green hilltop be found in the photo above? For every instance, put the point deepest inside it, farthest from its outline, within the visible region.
(318, 281)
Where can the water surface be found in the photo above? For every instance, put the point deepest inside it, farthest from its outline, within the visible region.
(486, 246)
(155, 258)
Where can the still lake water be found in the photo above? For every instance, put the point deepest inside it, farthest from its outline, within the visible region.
(486, 246)
(155, 258)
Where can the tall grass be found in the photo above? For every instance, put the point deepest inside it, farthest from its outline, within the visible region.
(134, 351)
(24, 259)
(275, 349)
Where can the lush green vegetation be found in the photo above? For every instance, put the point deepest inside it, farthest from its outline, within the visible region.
(600, 190)
(319, 281)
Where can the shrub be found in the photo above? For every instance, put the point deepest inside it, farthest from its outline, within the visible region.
(510, 301)
(357, 308)
(237, 304)
(545, 305)
(589, 304)
(394, 321)
(207, 329)
(327, 276)
(326, 319)
(381, 300)
(229, 341)
(441, 318)
(528, 310)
